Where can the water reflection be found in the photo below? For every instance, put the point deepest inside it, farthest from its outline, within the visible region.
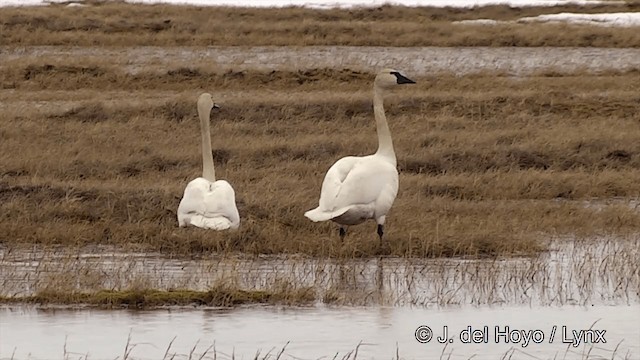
(574, 272)
(309, 333)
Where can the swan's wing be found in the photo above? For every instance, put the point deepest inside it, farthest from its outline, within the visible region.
(333, 182)
(209, 205)
(191, 202)
(368, 182)
(330, 189)
(386, 197)
(357, 181)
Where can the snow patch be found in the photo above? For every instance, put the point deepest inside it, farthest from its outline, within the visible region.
(329, 4)
(610, 19)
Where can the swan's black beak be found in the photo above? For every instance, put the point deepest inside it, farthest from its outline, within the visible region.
(401, 79)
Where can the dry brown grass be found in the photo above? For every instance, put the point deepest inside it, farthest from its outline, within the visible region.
(120, 24)
(92, 154)
(218, 296)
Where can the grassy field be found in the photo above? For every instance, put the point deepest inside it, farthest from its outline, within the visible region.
(489, 164)
(118, 24)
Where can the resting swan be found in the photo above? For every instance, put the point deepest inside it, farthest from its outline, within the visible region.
(207, 203)
(359, 188)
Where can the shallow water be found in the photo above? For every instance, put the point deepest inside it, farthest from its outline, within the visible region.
(416, 61)
(578, 272)
(579, 284)
(316, 332)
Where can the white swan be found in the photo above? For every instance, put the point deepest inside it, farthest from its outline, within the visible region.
(207, 203)
(359, 188)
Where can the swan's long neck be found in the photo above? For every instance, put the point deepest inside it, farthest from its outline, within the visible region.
(385, 144)
(208, 171)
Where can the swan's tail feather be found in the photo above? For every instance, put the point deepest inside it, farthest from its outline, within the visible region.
(318, 214)
(216, 223)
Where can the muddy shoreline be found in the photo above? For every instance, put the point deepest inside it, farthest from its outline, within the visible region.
(415, 60)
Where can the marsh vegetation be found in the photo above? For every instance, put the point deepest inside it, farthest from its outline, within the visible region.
(116, 23)
(488, 164)
(96, 151)
(571, 273)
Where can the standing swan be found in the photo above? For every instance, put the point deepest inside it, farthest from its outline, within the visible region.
(357, 188)
(207, 203)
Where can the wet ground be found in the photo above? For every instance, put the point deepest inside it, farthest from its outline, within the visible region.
(416, 61)
(601, 272)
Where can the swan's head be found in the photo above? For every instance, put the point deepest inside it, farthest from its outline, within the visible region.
(388, 78)
(205, 103)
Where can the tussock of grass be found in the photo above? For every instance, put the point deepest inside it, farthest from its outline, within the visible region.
(222, 296)
(94, 112)
(102, 75)
(32, 71)
(119, 24)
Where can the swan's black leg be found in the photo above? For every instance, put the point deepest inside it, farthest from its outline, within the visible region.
(343, 233)
(383, 246)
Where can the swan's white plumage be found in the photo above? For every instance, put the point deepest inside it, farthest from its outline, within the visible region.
(359, 188)
(356, 189)
(207, 203)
